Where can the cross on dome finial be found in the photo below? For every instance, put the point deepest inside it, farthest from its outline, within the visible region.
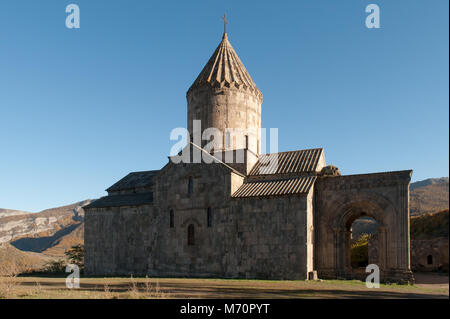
(225, 70)
(225, 22)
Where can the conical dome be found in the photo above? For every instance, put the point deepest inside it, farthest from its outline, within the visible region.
(225, 97)
(225, 70)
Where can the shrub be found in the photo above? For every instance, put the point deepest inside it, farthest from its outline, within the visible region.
(55, 266)
(75, 255)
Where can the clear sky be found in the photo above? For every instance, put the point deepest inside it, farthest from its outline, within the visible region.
(81, 108)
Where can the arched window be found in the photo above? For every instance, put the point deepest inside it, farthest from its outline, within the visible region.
(209, 217)
(191, 235)
(429, 260)
(171, 218)
(190, 185)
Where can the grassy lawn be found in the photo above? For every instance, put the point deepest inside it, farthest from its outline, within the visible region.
(48, 288)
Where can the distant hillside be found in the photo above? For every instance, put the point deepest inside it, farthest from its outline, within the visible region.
(64, 243)
(430, 226)
(51, 231)
(11, 212)
(429, 181)
(13, 260)
(429, 196)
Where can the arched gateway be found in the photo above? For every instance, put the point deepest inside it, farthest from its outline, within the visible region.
(341, 200)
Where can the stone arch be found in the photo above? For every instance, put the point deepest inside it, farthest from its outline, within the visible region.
(191, 220)
(345, 213)
(354, 210)
(374, 205)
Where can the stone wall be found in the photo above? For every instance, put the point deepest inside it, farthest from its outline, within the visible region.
(117, 240)
(342, 199)
(263, 238)
(373, 250)
(226, 108)
(437, 248)
(281, 237)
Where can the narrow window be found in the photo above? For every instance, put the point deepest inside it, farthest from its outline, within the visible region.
(171, 221)
(191, 235)
(429, 260)
(190, 185)
(209, 217)
(246, 142)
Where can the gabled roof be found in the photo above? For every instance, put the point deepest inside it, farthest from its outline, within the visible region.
(289, 186)
(302, 161)
(134, 180)
(122, 200)
(225, 69)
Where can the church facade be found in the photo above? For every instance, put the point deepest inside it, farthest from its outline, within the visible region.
(283, 215)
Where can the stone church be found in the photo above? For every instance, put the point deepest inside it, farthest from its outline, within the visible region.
(283, 215)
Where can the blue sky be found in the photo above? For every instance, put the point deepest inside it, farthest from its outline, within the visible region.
(79, 109)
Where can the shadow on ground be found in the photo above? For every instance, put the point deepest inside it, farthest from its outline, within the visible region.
(226, 290)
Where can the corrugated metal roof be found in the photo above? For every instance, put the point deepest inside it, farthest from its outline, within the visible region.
(122, 200)
(134, 180)
(301, 161)
(290, 186)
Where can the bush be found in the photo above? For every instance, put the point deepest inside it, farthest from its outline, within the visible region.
(75, 255)
(55, 266)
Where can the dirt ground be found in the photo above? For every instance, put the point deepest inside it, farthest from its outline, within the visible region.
(427, 286)
(431, 280)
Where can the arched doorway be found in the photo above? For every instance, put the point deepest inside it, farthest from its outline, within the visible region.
(340, 200)
(361, 225)
(363, 244)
